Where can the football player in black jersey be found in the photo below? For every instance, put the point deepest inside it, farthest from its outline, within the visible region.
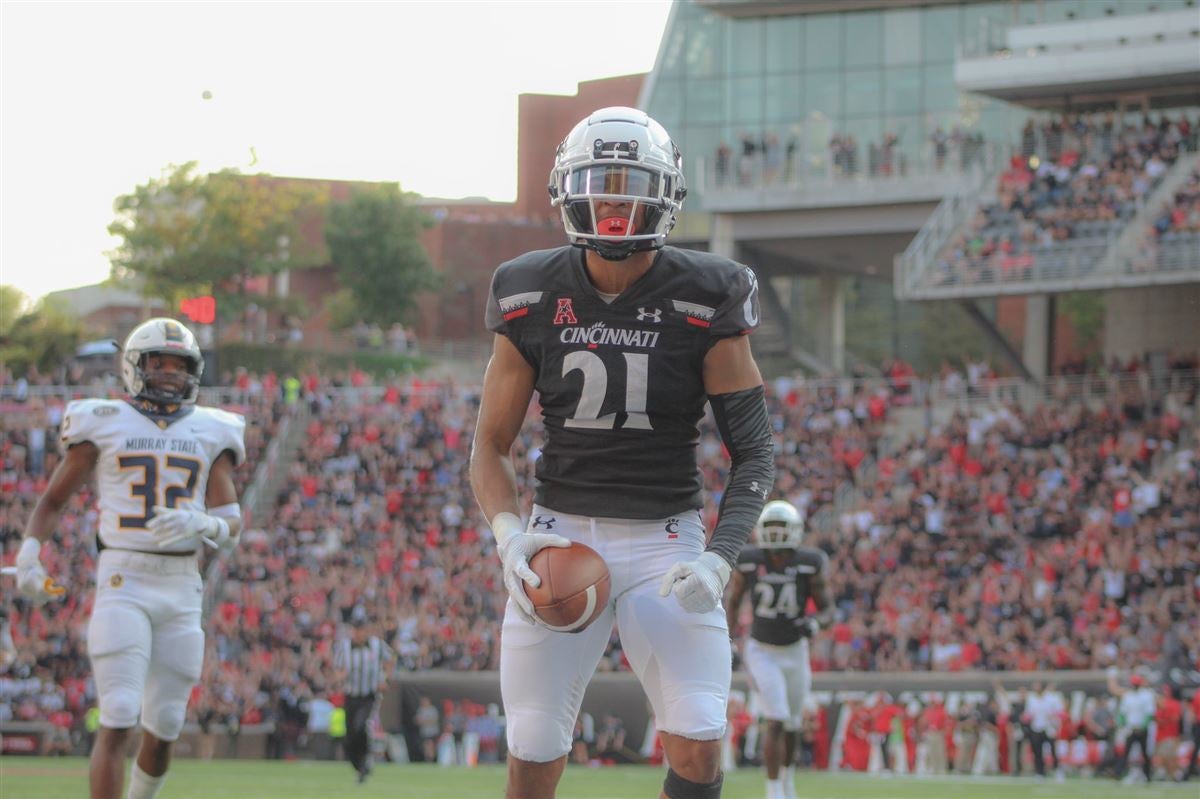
(624, 340)
(780, 576)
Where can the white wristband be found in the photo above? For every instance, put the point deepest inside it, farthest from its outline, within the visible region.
(28, 554)
(231, 511)
(505, 525)
(718, 564)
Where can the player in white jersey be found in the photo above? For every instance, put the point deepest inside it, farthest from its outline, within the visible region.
(164, 474)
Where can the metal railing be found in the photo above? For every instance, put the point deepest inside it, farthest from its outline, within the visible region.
(1063, 263)
(799, 171)
(946, 220)
(209, 395)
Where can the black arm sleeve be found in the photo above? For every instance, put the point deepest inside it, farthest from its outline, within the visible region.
(741, 418)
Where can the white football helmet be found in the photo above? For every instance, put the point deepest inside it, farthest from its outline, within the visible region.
(780, 526)
(167, 337)
(618, 155)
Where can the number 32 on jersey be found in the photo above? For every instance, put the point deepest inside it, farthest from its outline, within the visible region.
(178, 475)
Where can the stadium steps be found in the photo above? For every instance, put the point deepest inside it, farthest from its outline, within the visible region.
(270, 473)
(1127, 245)
(952, 214)
(258, 500)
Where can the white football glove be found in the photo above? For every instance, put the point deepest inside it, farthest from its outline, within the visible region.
(174, 526)
(517, 547)
(697, 584)
(32, 580)
(808, 627)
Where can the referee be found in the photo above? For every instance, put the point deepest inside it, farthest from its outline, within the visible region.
(360, 663)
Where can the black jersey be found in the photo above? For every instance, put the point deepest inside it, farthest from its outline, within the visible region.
(620, 384)
(781, 594)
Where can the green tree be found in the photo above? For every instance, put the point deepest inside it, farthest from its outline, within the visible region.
(186, 234)
(374, 242)
(44, 337)
(1086, 311)
(12, 305)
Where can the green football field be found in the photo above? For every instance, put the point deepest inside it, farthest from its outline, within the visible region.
(66, 778)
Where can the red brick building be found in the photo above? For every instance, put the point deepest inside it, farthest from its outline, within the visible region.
(544, 120)
(471, 237)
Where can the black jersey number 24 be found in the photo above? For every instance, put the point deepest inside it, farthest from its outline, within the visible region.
(772, 604)
(595, 389)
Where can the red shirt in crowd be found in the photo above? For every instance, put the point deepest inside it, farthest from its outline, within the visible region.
(1169, 717)
(935, 717)
(884, 714)
(1121, 500)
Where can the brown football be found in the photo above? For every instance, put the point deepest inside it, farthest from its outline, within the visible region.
(575, 586)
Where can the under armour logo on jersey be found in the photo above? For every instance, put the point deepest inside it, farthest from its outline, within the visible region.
(538, 521)
(757, 489)
(672, 529)
(653, 316)
(565, 314)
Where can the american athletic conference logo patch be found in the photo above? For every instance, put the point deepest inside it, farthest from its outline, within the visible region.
(565, 314)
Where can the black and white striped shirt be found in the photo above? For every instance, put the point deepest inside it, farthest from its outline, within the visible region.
(363, 665)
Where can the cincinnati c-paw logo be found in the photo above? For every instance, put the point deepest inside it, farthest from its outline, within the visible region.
(565, 314)
(672, 529)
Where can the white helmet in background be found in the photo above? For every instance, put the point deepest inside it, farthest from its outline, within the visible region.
(166, 337)
(780, 526)
(618, 155)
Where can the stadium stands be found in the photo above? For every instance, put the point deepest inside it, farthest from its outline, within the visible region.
(1173, 241)
(1060, 536)
(1070, 190)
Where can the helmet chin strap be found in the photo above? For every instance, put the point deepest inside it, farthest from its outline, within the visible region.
(614, 252)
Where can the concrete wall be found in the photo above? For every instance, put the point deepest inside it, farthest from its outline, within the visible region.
(1152, 319)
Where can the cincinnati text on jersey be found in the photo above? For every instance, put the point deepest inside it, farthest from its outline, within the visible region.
(599, 334)
(162, 445)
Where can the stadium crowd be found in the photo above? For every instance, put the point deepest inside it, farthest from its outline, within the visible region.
(1175, 234)
(1060, 537)
(1074, 183)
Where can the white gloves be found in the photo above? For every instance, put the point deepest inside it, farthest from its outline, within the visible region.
(697, 584)
(516, 548)
(32, 580)
(173, 526)
(808, 627)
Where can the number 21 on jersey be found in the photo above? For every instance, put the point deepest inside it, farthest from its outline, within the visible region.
(595, 389)
(186, 470)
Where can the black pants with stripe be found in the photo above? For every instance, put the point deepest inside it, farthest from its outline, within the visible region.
(358, 742)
